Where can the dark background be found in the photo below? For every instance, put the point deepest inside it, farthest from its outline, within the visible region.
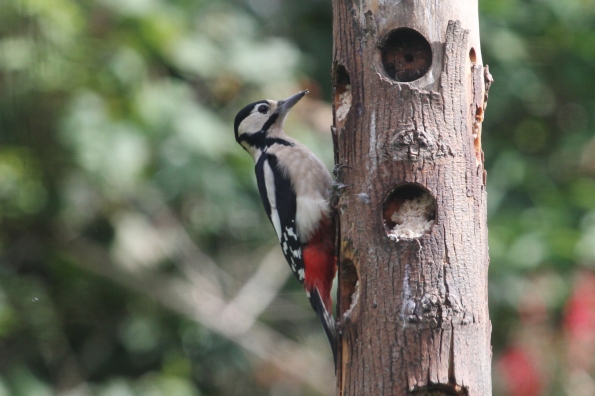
(129, 217)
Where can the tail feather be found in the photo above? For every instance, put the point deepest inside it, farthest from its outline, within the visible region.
(326, 319)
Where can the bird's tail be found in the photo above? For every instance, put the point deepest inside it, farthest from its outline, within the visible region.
(326, 319)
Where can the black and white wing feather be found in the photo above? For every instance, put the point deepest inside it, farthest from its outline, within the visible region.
(280, 203)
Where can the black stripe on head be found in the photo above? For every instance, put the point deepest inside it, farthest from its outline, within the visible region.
(270, 121)
(260, 140)
(242, 114)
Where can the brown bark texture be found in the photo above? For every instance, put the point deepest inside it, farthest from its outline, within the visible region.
(409, 94)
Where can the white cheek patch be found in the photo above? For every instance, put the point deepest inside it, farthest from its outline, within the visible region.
(256, 120)
(253, 123)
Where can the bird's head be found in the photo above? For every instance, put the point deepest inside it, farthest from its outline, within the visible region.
(255, 121)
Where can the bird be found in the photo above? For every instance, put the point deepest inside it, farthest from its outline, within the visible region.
(295, 188)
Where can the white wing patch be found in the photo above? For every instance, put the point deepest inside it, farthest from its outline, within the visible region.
(292, 250)
(284, 247)
(290, 233)
(269, 180)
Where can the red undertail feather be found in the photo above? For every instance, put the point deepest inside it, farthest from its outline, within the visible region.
(320, 267)
(320, 263)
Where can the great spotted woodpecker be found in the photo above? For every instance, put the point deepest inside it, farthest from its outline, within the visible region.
(294, 186)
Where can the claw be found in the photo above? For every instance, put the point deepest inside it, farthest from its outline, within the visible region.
(336, 192)
(340, 186)
(338, 168)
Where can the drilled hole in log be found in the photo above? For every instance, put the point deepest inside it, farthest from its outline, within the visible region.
(406, 55)
(440, 390)
(409, 211)
(348, 292)
(472, 55)
(342, 97)
(477, 130)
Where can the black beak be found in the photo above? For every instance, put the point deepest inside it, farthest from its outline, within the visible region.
(283, 106)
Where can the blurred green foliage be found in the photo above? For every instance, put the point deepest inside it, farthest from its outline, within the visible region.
(116, 132)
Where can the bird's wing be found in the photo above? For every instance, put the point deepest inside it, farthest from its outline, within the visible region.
(280, 203)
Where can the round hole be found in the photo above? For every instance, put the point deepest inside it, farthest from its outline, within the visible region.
(406, 55)
(409, 211)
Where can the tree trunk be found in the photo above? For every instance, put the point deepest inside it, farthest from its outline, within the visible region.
(409, 96)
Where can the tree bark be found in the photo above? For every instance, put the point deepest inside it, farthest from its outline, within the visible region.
(409, 95)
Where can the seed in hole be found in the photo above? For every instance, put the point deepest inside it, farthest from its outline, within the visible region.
(409, 212)
(342, 94)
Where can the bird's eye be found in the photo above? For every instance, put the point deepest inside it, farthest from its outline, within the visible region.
(263, 109)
